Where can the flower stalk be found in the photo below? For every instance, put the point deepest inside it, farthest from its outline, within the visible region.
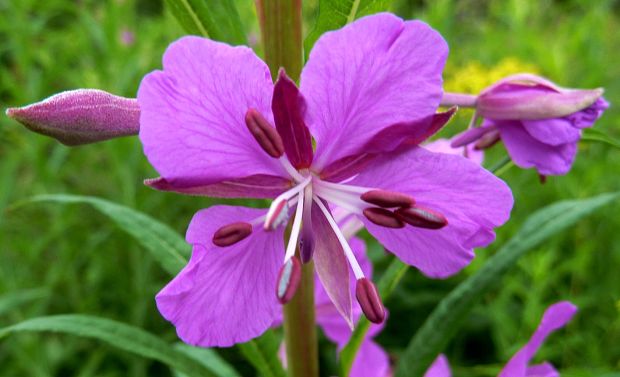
(280, 22)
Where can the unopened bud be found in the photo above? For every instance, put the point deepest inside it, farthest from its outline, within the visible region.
(387, 199)
(422, 217)
(383, 217)
(368, 298)
(81, 116)
(288, 280)
(231, 234)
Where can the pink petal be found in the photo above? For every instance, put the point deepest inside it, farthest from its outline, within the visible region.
(331, 265)
(81, 116)
(255, 186)
(192, 124)
(555, 317)
(371, 361)
(556, 131)
(289, 108)
(542, 370)
(527, 152)
(374, 73)
(439, 368)
(473, 200)
(225, 295)
(444, 146)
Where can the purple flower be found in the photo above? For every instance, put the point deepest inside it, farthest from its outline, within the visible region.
(368, 96)
(371, 360)
(539, 122)
(556, 316)
(81, 116)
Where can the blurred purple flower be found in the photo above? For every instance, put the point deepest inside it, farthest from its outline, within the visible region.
(468, 151)
(81, 116)
(128, 37)
(539, 122)
(556, 316)
(368, 95)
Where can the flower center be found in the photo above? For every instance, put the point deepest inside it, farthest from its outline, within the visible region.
(384, 208)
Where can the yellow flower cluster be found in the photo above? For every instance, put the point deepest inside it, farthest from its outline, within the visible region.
(472, 77)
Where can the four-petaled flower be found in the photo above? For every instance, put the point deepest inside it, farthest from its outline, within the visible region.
(368, 96)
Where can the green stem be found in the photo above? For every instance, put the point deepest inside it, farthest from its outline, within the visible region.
(300, 328)
(280, 22)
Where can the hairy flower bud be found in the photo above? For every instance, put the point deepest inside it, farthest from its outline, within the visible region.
(81, 116)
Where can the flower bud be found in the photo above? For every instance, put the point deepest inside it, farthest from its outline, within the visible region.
(530, 97)
(81, 116)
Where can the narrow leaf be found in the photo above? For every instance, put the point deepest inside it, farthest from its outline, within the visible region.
(262, 353)
(209, 358)
(592, 134)
(453, 310)
(165, 245)
(388, 282)
(15, 299)
(120, 335)
(218, 20)
(334, 14)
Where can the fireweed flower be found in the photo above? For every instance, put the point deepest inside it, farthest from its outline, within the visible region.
(371, 360)
(368, 95)
(556, 316)
(539, 122)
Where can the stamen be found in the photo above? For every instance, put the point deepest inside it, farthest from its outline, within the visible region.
(422, 217)
(357, 271)
(383, 217)
(348, 201)
(264, 133)
(368, 298)
(292, 241)
(230, 234)
(288, 280)
(306, 243)
(468, 137)
(488, 140)
(387, 199)
(342, 187)
(278, 211)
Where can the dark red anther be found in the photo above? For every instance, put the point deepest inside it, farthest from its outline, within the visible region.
(288, 280)
(264, 133)
(422, 217)
(387, 199)
(487, 140)
(542, 178)
(368, 298)
(383, 217)
(231, 234)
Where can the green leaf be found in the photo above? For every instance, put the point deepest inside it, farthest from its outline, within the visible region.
(165, 245)
(125, 337)
(12, 300)
(208, 358)
(334, 14)
(453, 310)
(395, 271)
(263, 354)
(218, 20)
(593, 134)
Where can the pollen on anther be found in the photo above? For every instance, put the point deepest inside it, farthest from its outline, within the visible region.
(288, 280)
(383, 217)
(264, 133)
(422, 217)
(387, 199)
(231, 234)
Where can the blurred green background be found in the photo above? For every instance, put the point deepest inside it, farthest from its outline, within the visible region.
(70, 259)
